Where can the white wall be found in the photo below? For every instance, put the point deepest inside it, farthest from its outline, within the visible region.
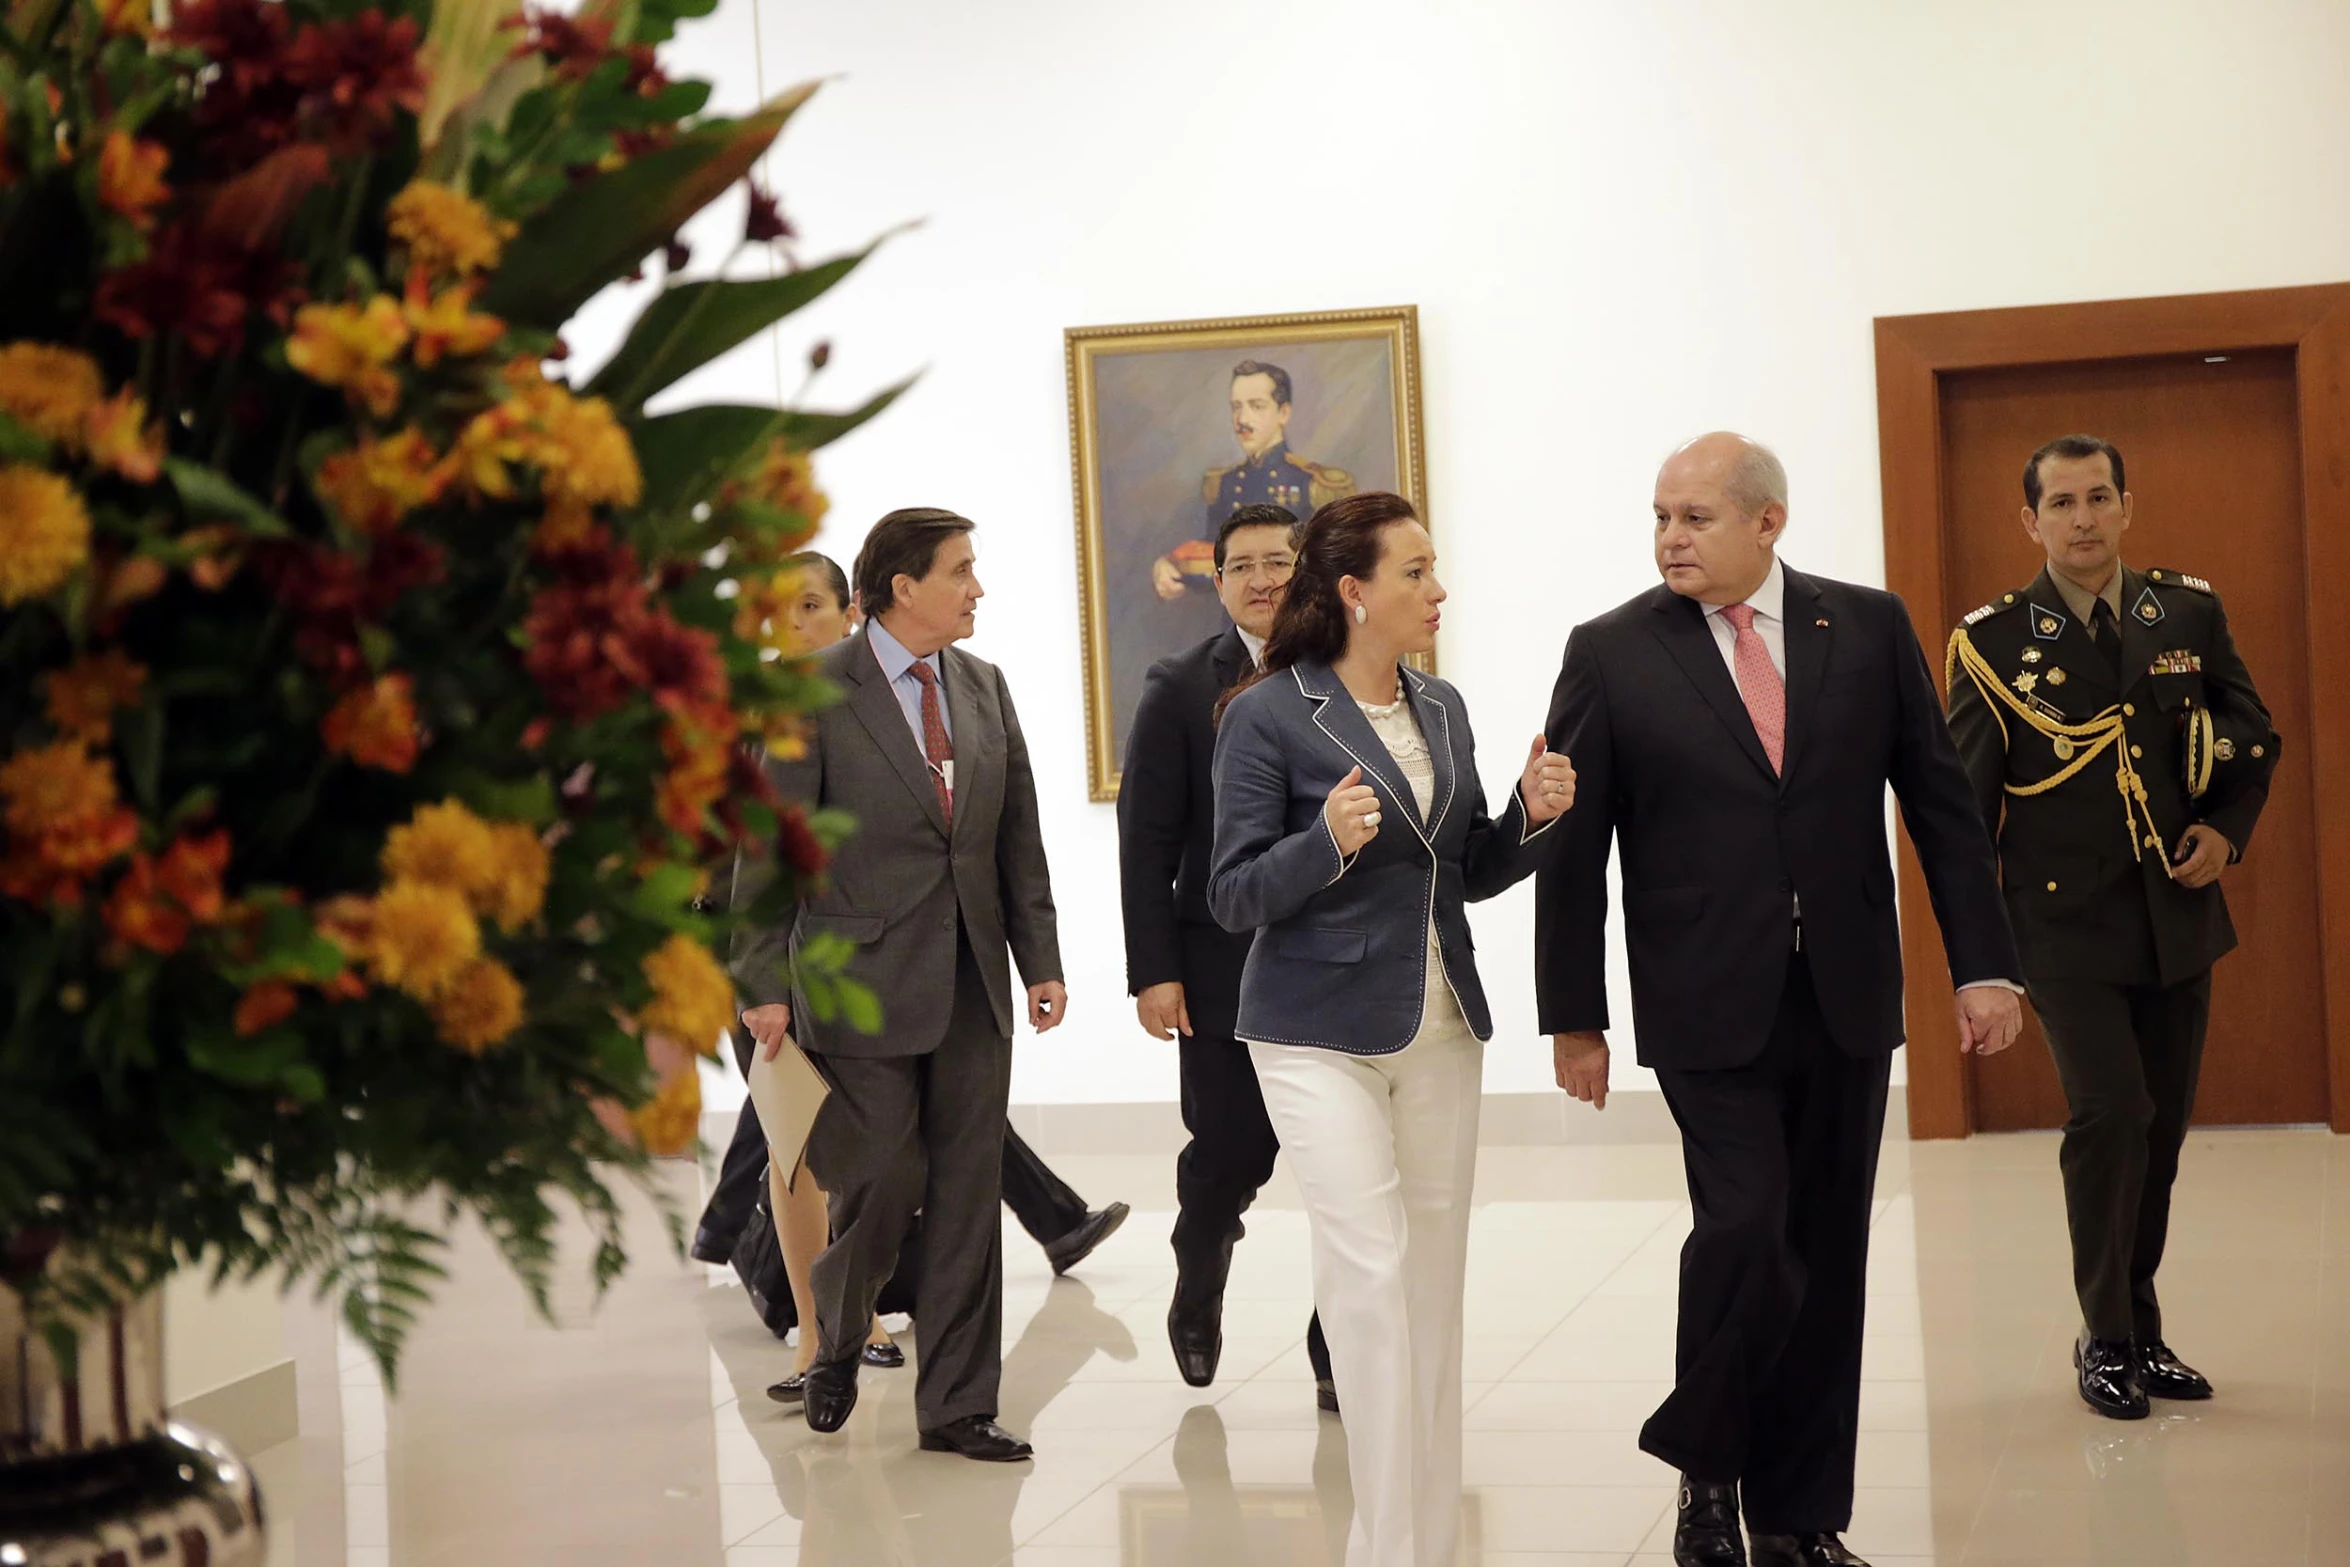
(1622, 224)
(215, 1337)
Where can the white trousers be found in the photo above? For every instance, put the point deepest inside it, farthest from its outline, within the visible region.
(1385, 1150)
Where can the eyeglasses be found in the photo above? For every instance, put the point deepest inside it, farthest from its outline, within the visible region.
(1273, 568)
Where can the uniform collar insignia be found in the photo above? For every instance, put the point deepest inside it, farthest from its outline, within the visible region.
(2047, 624)
(2148, 609)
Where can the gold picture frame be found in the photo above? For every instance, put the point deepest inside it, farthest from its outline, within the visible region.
(1155, 448)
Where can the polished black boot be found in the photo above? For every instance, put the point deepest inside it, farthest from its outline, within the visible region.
(2109, 1377)
(1803, 1550)
(2165, 1375)
(1706, 1531)
(1195, 1317)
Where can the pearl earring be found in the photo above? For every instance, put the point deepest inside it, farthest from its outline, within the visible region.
(1362, 616)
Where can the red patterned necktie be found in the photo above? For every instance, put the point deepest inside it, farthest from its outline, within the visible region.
(1759, 684)
(937, 749)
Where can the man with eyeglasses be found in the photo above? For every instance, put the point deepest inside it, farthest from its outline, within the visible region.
(1182, 968)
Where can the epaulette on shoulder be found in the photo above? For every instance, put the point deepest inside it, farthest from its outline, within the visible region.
(1998, 606)
(1214, 482)
(1307, 463)
(2179, 579)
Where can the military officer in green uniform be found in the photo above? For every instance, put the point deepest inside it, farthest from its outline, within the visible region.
(1268, 474)
(2122, 756)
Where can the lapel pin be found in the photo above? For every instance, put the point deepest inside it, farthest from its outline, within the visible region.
(1820, 623)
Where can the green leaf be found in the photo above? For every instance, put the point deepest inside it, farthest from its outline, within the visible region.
(664, 897)
(860, 1008)
(207, 492)
(596, 232)
(693, 323)
(19, 444)
(250, 1063)
(686, 455)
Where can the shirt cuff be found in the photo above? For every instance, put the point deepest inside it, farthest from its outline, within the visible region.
(1993, 984)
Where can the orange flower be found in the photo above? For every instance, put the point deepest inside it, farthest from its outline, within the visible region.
(85, 694)
(670, 1122)
(50, 787)
(481, 1007)
(376, 725)
(764, 602)
(126, 18)
(219, 551)
(445, 323)
(580, 449)
(158, 902)
(352, 346)
(696, 779)
(378, 482)
(448, 234)
(130, 177)
(265, 1006)
(119, 437)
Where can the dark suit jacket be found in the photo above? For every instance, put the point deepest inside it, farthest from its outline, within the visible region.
(2084, 903)
(901, 885)
(1715, 849)
(1341, 952)
(1167, 834)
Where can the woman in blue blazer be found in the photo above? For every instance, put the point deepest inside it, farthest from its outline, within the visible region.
(1350, 833)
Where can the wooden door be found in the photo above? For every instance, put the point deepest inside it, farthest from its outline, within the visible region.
(2212, 449)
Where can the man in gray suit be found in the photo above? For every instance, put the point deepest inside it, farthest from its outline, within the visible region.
(945, 871)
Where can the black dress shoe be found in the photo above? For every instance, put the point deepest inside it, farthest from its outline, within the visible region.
(2165, 1375)
(1803, 1550)
(1705, 1533)
(791, 1389)
(712, 1247)
(887, 1356)
(830, 1392)
(2109, 1377)
(1195, 1316)
(1067, 1251)
(1326, 1396)
(977, 1436)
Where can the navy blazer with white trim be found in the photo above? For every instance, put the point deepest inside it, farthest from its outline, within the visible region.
(1341, 949)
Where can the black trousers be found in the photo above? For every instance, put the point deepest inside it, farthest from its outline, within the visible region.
(1229, 1158)
(1781, 1156)
(2129, 1057)
(1046, 1206)
(920, 1133)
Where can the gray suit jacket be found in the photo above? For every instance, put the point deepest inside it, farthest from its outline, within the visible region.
(900, 885)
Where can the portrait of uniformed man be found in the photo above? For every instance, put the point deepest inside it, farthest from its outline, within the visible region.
(2121, 755)
(1267, 474)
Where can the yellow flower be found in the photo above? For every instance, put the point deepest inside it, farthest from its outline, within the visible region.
(786, 480)
(448, 234)
(442, 845)
(126, 18)
(44, 533)
(516, 889)
(84, 695)
(119, 436)
(49, 390)
(375, 724)
(671, 1121)
(422, 938)
(765, 602)
(130, 177)
(480, 1007)
(693, 1000)
(446, 324)
(352, 346)
(378, 482)
(581, 451)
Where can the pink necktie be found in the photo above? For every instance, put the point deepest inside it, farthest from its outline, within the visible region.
(1759, 684)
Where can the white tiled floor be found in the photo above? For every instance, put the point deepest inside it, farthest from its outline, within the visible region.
(638, 1432)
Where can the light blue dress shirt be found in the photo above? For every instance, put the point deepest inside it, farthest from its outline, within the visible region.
(898, 664)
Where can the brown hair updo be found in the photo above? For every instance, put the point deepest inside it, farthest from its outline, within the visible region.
(1343, 539)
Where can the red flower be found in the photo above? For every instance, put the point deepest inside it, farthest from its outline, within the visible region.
(355, 74)
(579, 628)
(766, 221)
(245, 38)
(333, 594)
(572, 46)
(796, 845)
(252, 108)
(678, 665)
(197, 289)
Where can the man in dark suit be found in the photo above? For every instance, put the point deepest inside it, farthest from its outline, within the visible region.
(1182, 968)
(1734, 731)
(945, 871)
(2095, 676)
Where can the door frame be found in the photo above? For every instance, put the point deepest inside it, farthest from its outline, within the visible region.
(1913, 353)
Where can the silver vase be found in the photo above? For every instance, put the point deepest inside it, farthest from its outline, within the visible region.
(92, 1474)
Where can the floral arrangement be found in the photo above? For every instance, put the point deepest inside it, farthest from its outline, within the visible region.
(378, 695)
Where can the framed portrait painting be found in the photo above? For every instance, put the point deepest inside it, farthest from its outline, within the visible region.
(1177, 424)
